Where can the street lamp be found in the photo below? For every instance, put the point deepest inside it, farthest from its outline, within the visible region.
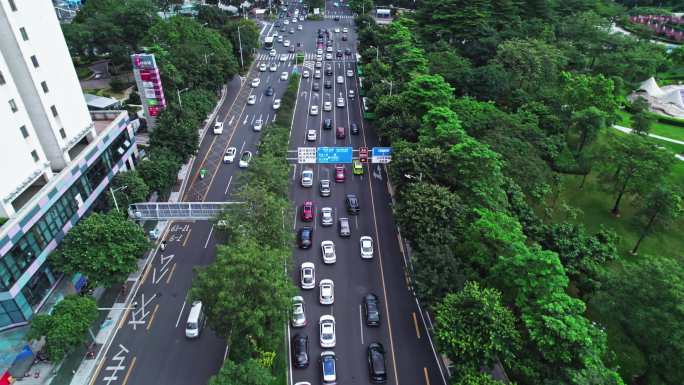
(377, 53)
(112, 191)
(180, 104)
(242, 63)
(419, 177)
(390, 84)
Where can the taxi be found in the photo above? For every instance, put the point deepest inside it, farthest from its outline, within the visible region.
(357, 167)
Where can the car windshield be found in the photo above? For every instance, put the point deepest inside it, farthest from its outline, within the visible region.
(298, 309)
(192, 325)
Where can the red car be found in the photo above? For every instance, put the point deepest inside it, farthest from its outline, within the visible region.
(307, 211)
(339, 173)
(340, 133)
(363, 154)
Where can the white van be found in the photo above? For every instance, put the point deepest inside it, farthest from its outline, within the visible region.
(195, 320)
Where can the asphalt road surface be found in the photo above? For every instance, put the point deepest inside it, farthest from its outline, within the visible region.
(410, 355)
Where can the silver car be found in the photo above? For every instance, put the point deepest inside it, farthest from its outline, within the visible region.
(307, 274)
(327, 216)
(366, 246)
(324, 187)
(307, 178)
(326, 292)
(345, 230)
(298, 312)
(328, 252)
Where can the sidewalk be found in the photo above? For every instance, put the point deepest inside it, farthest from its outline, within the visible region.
(628, 130)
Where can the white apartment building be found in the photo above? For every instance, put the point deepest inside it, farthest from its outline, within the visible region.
(56, 157)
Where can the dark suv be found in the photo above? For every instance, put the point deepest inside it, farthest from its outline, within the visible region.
(305, 237)
(327, 124)
(352, 203)
(376, 363)
(300, 351)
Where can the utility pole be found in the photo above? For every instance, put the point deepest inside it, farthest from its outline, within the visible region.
(242, 63)
(116, 204)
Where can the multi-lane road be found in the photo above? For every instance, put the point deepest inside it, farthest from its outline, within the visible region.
(150, 346)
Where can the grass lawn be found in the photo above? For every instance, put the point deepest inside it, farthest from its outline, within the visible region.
(595, 205)
(666, 130)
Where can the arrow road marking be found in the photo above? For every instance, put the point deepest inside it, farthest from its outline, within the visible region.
(376, 173)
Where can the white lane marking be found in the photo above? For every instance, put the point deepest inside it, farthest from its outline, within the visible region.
(253, 117)
(361, 323)
(225, 353)
(242, 148)
(180, 314)
(356, 220)
(228, 187)
(231, 120)
(294, 171)
(261, 97)
(294, 222)
(209, 236)
(274, 117)
(246, 117)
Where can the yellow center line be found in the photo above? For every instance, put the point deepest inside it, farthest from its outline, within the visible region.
(194, 177)
(186, 237)
(415, 322)
(174, 269)
(154, 313)
(97, 370)
(427, 378)
(128, 373)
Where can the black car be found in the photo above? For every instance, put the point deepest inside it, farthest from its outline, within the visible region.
(328, 71)
(305, 237)
(329, 43)
(344, 37)
(300, 351)
(339, 53)
(352, 203)
(327, 84)
(269, 91)
(376, 363)
(354, 128)
(320, 36)
(337, 18)
(347, 51)
(371, 309)
(316, 87)
(327, 124)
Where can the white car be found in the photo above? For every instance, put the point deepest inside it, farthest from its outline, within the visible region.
(307, 275)
(272, 53)
(318, 64)
(286, 43)
(352, 95)
(258, 124)
(328, 252)
(319, 58)
(329, 49)
(345, 30)
(251, 100)
(256, 82)
(326, 329)
(262, 67)
(306, 74)
(328, 56)
(340, 102)
(218, 128)
(244, 159)
(229, 156)
(327, 216)
(276, 104)
(283, 76)
(366, 245)
(307, 178)
(298, 312)
(286, 22)
(314, 110)
(327, 106)
(319, 51)
(301, 18)
(311, 135)
(299, 27)
(337, 30)
(283, 57)
(294, 20)
(350, 73)
(273, 67)
(280, 39)
(326, 294)
(317, 74)
(340, 79)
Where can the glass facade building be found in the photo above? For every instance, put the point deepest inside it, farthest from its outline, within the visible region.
(26, 277)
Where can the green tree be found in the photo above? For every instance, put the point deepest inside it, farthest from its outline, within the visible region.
(129, 187)
(588, 123)
(646, 297)
(477, 378)
(270, 171)
(583, 256)
(425, 92)
(580, 92)
(248, 372)
(474, 329)
(460, 21)
(441, 127)
(190, 55)
(176, 131)
(249, 321)
(530, 62)
(633, 165)
(248, 37)
(361, 7)
(66, 327)
(642, 122)
(160, 170)
(103, 247)
(660, 208)
(456, 70)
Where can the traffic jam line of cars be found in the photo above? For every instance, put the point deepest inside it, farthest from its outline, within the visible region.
(327, 217)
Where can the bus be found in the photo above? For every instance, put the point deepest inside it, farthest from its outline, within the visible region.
(268, 42)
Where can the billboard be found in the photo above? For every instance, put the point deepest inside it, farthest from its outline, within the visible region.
(149, 84)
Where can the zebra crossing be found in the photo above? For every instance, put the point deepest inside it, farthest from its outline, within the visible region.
(308, 56)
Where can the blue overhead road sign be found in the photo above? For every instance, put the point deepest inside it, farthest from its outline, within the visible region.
(381, 155)
(334, 155)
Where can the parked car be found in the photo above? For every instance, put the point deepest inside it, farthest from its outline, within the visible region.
(328, 364)
(298, 312)
(300, 351)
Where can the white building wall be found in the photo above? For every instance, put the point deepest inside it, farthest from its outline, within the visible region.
(45, 42)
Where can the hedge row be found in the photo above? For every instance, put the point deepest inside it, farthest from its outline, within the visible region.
(670, 120)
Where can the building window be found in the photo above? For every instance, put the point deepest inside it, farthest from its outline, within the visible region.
(24, 35)
(34, 154)
(24, 132)
(34, 60)
(62, 133)
(54, 111)
(2, 79)
(45, 87)
(13, 6)
(13, 105)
